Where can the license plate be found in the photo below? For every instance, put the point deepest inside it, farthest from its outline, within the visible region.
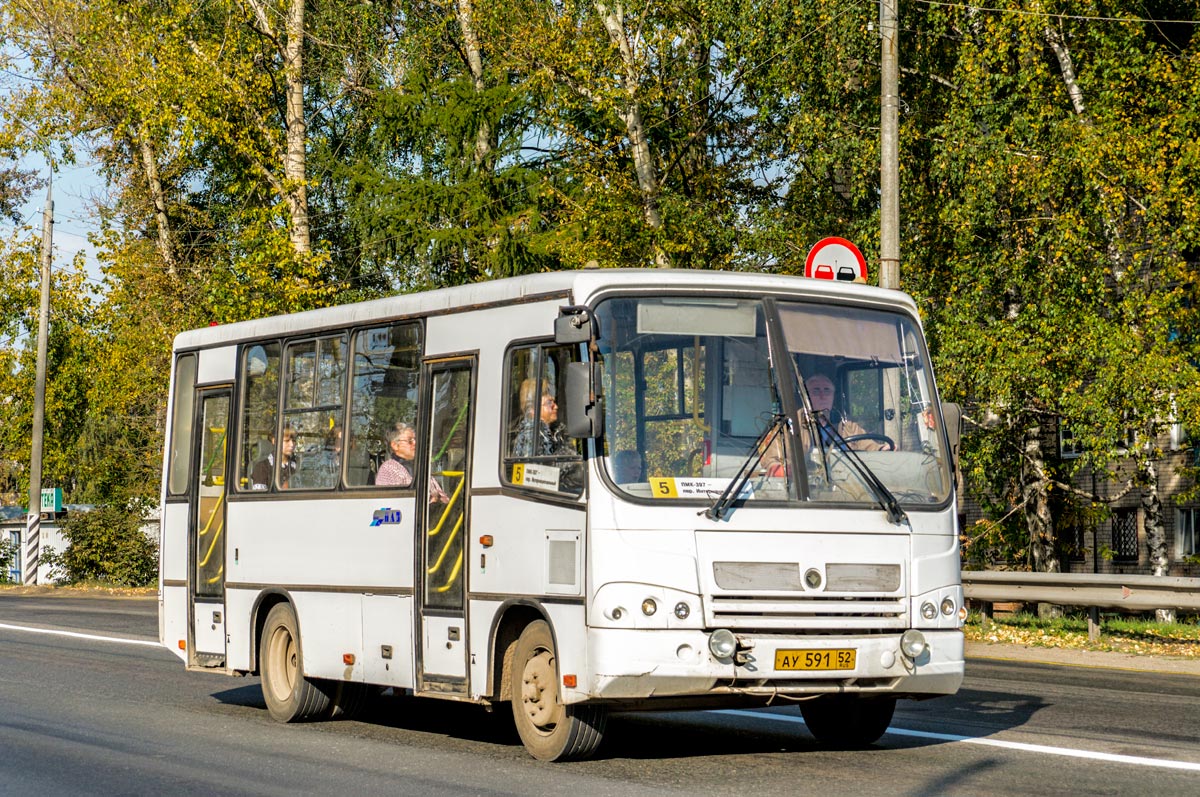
(837, 659)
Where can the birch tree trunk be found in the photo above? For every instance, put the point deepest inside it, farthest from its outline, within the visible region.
(162, 221)
(1156, 534)
(483, 135)
(1035, 491)
(291, 53)
(631, 114)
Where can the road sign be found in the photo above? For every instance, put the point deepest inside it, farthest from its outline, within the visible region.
(836, 259)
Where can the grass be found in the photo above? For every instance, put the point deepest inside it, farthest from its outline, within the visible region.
(1119, 633)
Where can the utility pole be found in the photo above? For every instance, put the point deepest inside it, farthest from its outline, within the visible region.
(33, 521)
(889, 150)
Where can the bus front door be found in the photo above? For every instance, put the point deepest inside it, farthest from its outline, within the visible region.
(444, 493)
(206, 533)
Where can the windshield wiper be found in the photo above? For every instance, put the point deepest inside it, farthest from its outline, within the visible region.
(734, 488)
(883, 495)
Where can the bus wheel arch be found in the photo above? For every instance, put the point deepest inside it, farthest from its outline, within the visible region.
(290, 695)
(550, 729)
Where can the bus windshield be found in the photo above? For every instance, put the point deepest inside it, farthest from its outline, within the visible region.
(692, 393)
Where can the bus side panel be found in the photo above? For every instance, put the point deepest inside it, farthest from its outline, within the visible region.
(330, 628)
(322, 542)
(174, 620)
(387, 657)
(519, 562)
(173, 564)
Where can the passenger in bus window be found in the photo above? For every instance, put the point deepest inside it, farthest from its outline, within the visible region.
(260, 475)
(627, 467)
(324, 468)
(539, 434)
(821, 394)
(397, 470)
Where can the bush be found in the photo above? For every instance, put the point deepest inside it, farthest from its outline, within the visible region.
(106, 545)
(8, 556)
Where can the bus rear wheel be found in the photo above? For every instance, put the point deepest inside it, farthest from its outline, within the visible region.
(290, 697)
(848, 721)
(550, 730)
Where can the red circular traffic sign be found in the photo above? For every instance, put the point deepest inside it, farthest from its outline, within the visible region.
(835, 259)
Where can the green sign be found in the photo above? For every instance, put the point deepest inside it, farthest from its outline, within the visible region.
(52, 499)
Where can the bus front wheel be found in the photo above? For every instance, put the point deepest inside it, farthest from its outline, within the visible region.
(848, 721)
(290, 697)
(550, 730)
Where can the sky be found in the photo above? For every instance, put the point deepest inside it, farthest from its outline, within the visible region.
(76, 188)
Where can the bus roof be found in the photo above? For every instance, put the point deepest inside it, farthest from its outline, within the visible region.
(575, 286)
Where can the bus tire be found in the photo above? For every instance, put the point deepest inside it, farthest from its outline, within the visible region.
(848, 721)
(349, 698)
(549, 730)
(290, 697)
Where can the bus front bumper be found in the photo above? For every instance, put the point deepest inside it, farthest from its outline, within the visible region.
(640, 664)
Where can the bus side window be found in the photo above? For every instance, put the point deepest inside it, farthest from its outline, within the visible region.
(259, 405)
(538, 453)
(384, 386)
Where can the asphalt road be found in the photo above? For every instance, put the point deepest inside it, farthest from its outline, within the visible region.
(81, 716)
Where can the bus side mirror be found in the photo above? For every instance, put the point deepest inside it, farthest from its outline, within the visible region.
(952, 417)
(583, 409)
(573, 325)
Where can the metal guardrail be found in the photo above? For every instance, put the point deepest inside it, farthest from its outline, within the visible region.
(1134, 593)
(1095, 591)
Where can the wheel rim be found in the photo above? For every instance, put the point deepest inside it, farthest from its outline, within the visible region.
(539, 693)
(284, 663)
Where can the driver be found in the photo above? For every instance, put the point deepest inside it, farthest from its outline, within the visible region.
(820, 395)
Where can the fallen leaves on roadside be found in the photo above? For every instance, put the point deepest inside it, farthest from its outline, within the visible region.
(1073, 640)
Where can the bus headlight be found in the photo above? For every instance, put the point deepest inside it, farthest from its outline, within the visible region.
(682, 610)
(928, 610)
(649, 607)
(912, 643)
(722, 643)
(948, 606)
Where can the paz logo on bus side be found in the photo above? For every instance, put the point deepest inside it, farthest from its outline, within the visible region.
(836, 259)
(385, 515)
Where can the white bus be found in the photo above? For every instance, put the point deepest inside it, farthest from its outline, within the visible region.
(572, 492)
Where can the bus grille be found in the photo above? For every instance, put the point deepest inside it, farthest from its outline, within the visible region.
(823, 614)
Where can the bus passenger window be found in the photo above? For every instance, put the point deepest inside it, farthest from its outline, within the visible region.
(259, 405)
(384, 386)
(313, 406)
(539, 455)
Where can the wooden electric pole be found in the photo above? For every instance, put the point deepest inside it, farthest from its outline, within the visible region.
(34, 519)
(889, 150)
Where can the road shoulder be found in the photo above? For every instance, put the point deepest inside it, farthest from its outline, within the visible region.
(1001, 651)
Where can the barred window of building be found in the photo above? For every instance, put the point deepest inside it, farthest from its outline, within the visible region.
(1125, 535)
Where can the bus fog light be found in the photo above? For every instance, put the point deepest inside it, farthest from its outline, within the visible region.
(928, 610)
(948, 606)
(912, 643)
(649, 607)
(682, 610)
(722, 643)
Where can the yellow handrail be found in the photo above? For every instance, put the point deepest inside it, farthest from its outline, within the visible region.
(446, 548)
(453, 575)
(436, 530)
(213, 545)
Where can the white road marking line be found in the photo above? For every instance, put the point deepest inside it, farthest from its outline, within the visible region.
(75, 635)
(1029, 748)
